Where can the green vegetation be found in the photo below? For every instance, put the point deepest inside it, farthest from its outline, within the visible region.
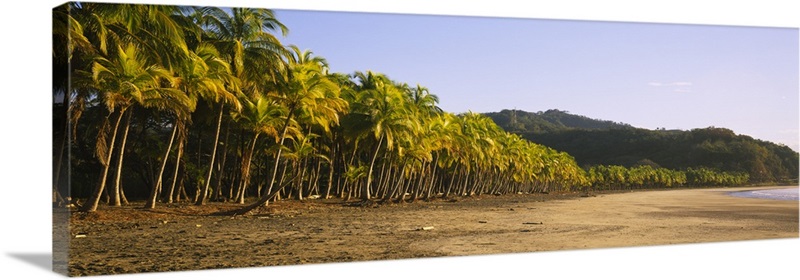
(549, 121)
(615, 177)
(171, 104)
(595, 142)
(168, 104)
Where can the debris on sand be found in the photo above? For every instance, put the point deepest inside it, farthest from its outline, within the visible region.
(532, 223)
(425, 228)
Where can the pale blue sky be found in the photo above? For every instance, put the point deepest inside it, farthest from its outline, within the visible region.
(648, 75)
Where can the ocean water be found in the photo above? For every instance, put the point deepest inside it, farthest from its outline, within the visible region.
(778, 194)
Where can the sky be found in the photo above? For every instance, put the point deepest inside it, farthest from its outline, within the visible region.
(673, 76)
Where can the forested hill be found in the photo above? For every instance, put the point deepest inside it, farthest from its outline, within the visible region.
(594, 142)
(548, 121)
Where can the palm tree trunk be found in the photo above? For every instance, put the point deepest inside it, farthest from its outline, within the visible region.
(115, 192)
(365, 191)
(405, 187)
(57, 197)
(397, 184)
(94, 199)
(465, 184)
(260, 182)
(151, 201)
(283, 175)
(247, 160)
(298, 179)
(203, 193)
(218, 192)
(122, 196)
(433, 176)
(452, 179)
(182, 187)
(385, 175)
(177, 167)
(57, 184)
(332, 164)
(265, 199)
(315, 183)
(421, 183)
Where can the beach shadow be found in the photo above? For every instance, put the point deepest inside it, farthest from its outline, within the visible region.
(40, 260)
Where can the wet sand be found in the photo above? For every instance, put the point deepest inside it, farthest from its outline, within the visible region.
(183, 237)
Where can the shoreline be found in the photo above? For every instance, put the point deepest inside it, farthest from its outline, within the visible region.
(790, 194)
(315, 232)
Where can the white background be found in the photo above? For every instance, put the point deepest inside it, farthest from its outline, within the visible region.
(25, 229)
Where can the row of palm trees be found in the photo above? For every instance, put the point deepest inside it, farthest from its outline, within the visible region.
(175, 76)
(308, 132)
(614, 177)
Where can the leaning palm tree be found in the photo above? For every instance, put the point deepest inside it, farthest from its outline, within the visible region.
(207, 76)
(308, 93)
(260, 115)
(123, 81)
(180, 105)
(382, 103)
(255, 56)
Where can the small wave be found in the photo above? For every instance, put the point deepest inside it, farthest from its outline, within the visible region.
(777, 194)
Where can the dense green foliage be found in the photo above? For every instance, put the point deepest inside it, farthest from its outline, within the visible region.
(172, 103)
(553, 120)
(594, 142)
(615, 177)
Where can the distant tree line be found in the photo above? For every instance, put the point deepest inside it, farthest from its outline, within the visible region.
(615, 177)
(595, 142)
(553, 120)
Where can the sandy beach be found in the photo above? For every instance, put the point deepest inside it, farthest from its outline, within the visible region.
(184, 237)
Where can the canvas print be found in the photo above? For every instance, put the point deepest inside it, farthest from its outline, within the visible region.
(190, 138)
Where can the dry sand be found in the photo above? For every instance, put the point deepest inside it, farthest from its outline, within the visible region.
(183, 237)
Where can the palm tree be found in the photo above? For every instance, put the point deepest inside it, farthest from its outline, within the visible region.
(309, 93)
(180, 105)
(116, 189)
(181, 134)
(125, 80)
(382, 104)
(424, 101)
(159, 31)
(243, 37)
(253, 53)
(206, 75)
(260, 115)
(96, 29)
